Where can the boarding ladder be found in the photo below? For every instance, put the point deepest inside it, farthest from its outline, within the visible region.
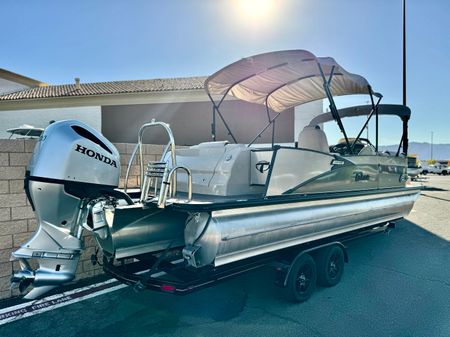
(160, 177)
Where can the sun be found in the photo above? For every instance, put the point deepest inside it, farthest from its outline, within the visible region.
(255, 9)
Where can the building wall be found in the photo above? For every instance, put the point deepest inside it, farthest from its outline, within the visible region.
(305, 113)
(191, 122)
(17, 221)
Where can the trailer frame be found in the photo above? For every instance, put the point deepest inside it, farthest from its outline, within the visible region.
(173, 275)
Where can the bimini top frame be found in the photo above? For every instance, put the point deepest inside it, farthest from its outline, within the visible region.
(282, 80)
(363, 110)
(401, 111)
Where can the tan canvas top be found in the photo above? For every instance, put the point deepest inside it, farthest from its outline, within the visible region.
(283, 79)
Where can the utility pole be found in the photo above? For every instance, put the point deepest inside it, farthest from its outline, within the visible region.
(404, 52)
(405, 120)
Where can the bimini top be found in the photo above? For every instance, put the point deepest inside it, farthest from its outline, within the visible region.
(284, 79)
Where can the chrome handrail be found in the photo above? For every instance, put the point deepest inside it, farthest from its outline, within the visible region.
(129, 167)
(166, 182)
(171, 145)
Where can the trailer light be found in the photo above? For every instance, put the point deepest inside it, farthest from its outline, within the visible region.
(167, 287)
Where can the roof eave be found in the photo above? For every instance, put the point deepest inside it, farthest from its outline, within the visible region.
(17, 78)
(170, 96)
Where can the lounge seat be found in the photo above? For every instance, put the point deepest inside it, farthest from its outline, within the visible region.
(313, 138)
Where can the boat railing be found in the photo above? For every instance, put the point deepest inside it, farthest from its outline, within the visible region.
(157, 183)
(165, 185)
(138, 149)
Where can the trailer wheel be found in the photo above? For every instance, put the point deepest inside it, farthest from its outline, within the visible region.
(330, 266)
(302, 279)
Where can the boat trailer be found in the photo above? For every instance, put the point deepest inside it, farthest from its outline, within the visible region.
(297, 269)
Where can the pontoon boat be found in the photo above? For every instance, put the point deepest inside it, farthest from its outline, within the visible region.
(218, 207)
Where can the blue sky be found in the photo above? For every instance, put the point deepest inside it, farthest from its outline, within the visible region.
(55, 41)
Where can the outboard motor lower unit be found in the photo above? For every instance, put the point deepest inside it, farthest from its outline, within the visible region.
(72, 165)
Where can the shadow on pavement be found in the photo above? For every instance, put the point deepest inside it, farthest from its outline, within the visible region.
(396, 284)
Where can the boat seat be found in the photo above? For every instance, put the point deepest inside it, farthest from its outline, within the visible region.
(367, 150)
(313, 138)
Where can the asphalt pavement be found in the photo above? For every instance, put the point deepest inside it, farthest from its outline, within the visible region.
(395, 284)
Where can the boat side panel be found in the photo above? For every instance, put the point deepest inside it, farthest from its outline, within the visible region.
(294, 166)
(393, 171)
(218, 169)
(202, 160)
(354, 173)
(345, 178)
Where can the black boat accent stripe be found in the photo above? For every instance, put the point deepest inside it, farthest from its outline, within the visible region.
(285, 199)
(26, 187)
(61, 182)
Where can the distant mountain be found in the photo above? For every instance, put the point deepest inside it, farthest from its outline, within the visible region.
(423, 150)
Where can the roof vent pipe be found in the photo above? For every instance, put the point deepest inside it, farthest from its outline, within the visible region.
(77, 83)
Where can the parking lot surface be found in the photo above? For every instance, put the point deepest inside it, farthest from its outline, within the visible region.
(395, 284)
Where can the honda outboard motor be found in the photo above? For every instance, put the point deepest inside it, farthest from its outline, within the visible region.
(72, 165)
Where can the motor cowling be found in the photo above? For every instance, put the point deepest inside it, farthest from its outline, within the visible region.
(74, 152)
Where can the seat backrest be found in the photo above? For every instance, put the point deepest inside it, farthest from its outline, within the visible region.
(313, 138)
(367, 150)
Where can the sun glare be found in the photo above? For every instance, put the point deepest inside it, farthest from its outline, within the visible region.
(256, 9)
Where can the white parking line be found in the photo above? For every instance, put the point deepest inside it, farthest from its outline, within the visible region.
(36, 307)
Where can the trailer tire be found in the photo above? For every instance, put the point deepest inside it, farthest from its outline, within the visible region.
(302, 278)
(330, 266)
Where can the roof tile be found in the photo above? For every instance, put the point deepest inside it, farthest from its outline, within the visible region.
(107, 88)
